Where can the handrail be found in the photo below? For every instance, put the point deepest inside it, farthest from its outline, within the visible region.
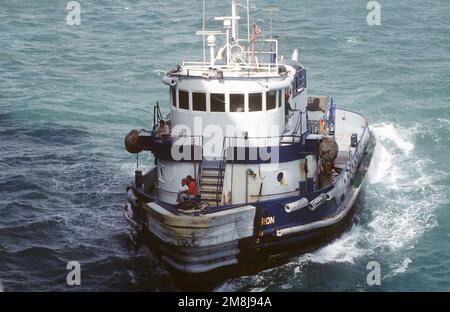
(267, 49)
(351, 161)
(200, 167)
(270, 67)
(299, 123)
(221, 171)
(243, 139)
(157, 115)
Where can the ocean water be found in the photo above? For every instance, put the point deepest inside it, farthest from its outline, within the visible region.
(69, 95)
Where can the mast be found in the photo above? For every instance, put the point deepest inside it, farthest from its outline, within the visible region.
(234, 19)
(240, 53)
(203, 29)
(248, 30)
(271, 10)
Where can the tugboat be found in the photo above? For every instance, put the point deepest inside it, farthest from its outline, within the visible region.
(248, 167)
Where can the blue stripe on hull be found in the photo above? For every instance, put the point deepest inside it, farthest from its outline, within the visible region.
(162, 149)
(283, 219)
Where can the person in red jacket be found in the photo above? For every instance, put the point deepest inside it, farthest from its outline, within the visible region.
(190, 193)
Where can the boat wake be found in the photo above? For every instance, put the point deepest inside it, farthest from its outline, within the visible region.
(394, 210)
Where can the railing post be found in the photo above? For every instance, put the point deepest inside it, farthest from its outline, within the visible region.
(154, 117)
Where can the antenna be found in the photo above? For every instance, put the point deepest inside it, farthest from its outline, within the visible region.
(234, 21)
(270, 10)
(228, 23)
(203, 29)
(211, 42)
(248, 29)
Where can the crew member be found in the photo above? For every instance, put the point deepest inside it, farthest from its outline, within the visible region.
(190, 193)
(162, 130)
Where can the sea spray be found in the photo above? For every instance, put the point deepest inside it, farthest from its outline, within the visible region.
(394, 209)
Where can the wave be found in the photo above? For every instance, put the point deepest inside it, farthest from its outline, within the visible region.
(444, 121)
(399, 201)
(398, 207)
(159, 72)
(343, 250)
(352, 40)
(398, 269)
(395, 134)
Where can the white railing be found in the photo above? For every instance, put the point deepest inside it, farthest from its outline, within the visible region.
(246, 61)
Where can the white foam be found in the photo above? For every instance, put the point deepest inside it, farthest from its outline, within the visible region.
(258, 289)
(395, 134)
(145, 163)
(352, 40)
(343, 250)
(159, 72)
(381, 165)
(446, 121)
(253, 283)
(405, 198)
(1, 286)
(397, 207)
(398, 269)
(400, 201)
(286, 286)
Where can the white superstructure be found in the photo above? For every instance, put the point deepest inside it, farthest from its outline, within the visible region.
(239, 91)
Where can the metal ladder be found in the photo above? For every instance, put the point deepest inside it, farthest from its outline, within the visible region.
(211, 182)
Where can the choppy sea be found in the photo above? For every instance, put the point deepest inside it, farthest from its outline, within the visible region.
(69, 95)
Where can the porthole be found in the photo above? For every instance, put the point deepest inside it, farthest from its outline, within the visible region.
(280, 177)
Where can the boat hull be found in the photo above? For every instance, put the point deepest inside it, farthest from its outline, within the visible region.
(248, 237)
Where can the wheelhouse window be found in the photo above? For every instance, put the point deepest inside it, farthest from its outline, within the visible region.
(255, 102)
(280, 98)
(237, 102)
(183, 99)
(217, 102)
(199, 101)
(271, 100)
(173, 93)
